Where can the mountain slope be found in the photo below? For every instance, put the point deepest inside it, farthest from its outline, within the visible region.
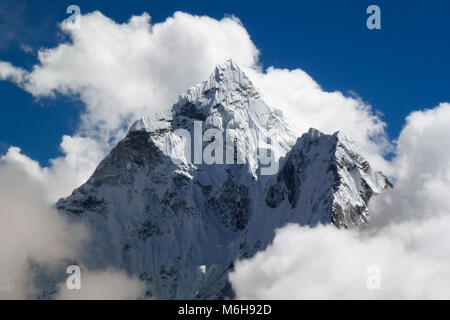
(158, 208)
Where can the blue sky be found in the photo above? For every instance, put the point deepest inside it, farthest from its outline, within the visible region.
(400, 68)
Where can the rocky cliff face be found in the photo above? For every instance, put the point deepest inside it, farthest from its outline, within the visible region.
(156, 211)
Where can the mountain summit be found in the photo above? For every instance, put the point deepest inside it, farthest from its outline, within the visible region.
(229, 102)
(160, 208)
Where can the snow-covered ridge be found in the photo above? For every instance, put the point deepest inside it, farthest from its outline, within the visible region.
(227, 101)
(227, 85)
(180, 226)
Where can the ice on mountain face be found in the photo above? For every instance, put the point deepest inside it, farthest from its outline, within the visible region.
(180, 225)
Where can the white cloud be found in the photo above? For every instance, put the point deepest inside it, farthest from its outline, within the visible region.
(327, 263)
(104, 285)
(407, 238)
(422, 166)
(124, 71)
(33, 232)
(82, 154)
(9, 72)
(29, 231)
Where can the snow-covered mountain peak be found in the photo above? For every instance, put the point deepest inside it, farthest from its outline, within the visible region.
(179, 226)
(229, 102)
(338, 139)
(227, 76)
(227, 91)
(313, 133)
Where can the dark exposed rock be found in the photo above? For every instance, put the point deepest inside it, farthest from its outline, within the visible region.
(190, 111)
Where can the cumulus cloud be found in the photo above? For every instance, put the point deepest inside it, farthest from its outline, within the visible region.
(407, 240)
(422, 167)
(82, 154)
(124, 71)
(104, 285)
(327, 263)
